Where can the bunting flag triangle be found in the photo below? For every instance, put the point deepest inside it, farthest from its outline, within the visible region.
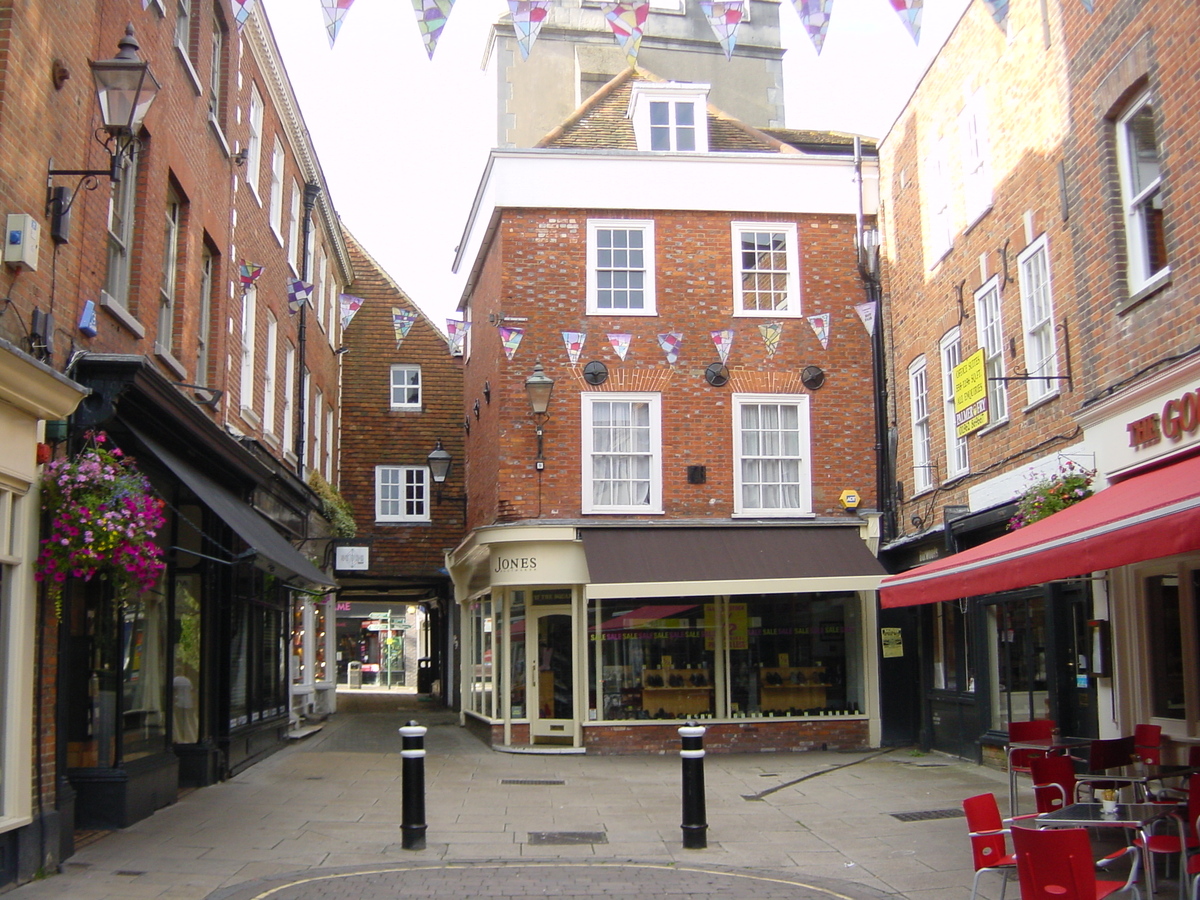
(241, 11)
(771, 333)
(670, 343)
(820, 327)
(910, 15)
(1088, 5)
(723, 340)
(814, 14)
(866, 312)
(402, 323)
(998, 9)
(528, 18)
(431, 18)
(299, 293)
(626, 20)
(349, 305)
(620, 344)
(511, 339)
(457, 329)
(248, 274)
(724, 16)
(335, 11)
(574, 342)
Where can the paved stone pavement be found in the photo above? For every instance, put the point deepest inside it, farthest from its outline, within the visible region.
(320, 820)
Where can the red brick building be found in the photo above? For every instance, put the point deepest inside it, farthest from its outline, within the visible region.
(226, 396)
(1034, 215)
(668, 538)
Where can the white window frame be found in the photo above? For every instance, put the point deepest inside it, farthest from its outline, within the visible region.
(937, 198)
(329, 448)
(1037, 316)
(254, 142)
(249, 315)
(122, 212)
(316, 421)
(922, 438)
(990, 327)
(18, 624)
(277, 190)
(802, 457)
(216, 77)
(406, 370)
(204, 319)
(183, 26)
(792, 301)
(172, 225)
(401, 480)
(977, 176)
(590, 400)
(958, 460)
(269, 374)
(1141, 191)
(288, 407)
(646, 227)
(294, 231)
(648, 101)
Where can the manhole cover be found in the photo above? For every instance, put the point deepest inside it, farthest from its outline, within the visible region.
(531, 781)
(925, 815)
(568, 837)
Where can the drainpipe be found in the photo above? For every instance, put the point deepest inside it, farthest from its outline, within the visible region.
(311, 192)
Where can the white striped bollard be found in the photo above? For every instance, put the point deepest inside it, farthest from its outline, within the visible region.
(694, 826)
(412, 755)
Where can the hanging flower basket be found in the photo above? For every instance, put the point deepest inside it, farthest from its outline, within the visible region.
(104, 517)
(1046, 496)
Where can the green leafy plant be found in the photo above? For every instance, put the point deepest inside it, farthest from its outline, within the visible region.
(1046, 496)
(104, 518)
(334, 506)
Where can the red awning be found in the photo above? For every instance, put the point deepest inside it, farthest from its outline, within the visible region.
(1148, 516)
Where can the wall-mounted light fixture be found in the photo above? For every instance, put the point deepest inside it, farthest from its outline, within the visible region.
(475, 409)
(538, 387)
(440, 462)
(487, 392)
(125, 88)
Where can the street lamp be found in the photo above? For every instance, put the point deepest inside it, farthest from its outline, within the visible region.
(125, 88)
(538, 387)
(440, 462)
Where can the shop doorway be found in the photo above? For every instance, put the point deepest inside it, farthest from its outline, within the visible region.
(550, 675)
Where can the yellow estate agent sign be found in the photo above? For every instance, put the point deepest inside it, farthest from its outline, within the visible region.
(970, 395)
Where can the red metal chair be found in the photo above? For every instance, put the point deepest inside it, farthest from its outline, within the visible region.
(1057, 864)
(1107, 754)
(988, 846)
(1147, 744)
(1184, 839)
(1036, 730)
(1053, 782)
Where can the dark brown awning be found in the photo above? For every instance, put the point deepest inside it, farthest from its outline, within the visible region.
(707, 560)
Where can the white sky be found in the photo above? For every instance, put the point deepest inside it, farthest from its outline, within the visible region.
(403, 140)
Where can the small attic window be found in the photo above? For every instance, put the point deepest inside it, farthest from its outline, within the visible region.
(670, 117)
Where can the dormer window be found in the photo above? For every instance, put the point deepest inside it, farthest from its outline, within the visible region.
(670, 117)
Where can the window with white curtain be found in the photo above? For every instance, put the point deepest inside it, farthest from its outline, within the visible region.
(957, 461)
(922, 448)
(249, 312)
(622, 452)
(1037, 311)
(977, 177)
(991, 339)
(772, 475)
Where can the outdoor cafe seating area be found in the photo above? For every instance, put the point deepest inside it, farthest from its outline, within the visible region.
(1107, 817)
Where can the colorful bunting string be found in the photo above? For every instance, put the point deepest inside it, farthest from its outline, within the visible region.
(724, 341)
(910, 15)
(620, 344)
(349, 305)
(402, 323)
(241, 11)
(299, 293)
(820, 327)
(670, 343)
(866, 312)
(771, 333)
(511, 339)
(431, 19)
(814, 14)
(457, 329)
(574, 342)
(528, 18)
(248, 274)
(724, 17)
(335, 11)
(627, 21)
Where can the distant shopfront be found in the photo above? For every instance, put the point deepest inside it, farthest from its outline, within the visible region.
(605, 639)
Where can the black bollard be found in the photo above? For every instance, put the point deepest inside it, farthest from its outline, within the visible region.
(694, 826)
(412, 752)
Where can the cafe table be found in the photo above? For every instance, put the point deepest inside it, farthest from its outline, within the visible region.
(1140, 775)
(1048, 746)
(1136, 816)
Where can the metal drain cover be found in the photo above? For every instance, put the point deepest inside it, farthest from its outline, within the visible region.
(568, 837)
(926, 815)
(531, 781)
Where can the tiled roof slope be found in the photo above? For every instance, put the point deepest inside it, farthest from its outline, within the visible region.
(602, 124)
(820, 141)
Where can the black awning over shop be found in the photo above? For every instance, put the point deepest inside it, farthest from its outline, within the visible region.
(669, 561)
(276, 554)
